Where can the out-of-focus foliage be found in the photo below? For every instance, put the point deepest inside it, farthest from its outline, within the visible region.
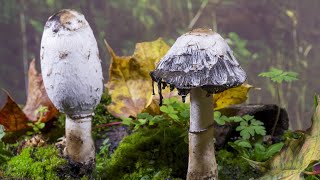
(279, 76)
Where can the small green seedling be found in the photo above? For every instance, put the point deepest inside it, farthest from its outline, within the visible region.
(38, 125)
(278, 76)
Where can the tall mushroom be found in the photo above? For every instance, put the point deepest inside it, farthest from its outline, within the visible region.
(202, 63)
(72, 76)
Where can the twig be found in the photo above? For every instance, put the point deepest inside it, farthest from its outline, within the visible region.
(196, 17)
(108, 125)
(278, 112)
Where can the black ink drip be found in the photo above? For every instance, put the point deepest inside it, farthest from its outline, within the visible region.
(153, 88)
(160, 92)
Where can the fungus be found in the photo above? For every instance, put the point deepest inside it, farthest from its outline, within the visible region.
(201, 63)
(73, 79)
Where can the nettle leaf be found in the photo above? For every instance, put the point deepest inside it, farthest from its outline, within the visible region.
(220, 119)
(236, 118)
(240, 128)
(247, 117)
(170, 101)
(164, 109)
(278, 75)
(260, 130)
(173, 116)
(245, 134)
(244, 123)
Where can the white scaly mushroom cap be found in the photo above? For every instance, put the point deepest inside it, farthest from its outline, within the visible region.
(70, 64)
(199, 58)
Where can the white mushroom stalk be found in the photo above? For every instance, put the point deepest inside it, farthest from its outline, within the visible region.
(72, 76)
(202, 63)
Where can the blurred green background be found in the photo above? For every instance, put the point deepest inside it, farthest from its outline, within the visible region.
(263, 33)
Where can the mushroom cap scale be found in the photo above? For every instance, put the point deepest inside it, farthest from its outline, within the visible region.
(70, 64)
(200, 58)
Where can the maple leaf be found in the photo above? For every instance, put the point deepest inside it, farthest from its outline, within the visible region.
(129, 81)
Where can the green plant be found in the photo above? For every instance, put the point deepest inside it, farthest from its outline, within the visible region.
(250, 144)
(5, 154)
(239, 47)
(38, 125)
(278, 76)
(174, 113)
(35, 163)
(231, 166)
(249, 126)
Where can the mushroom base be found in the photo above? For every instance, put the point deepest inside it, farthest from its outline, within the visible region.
(79, 144)
(202, 162)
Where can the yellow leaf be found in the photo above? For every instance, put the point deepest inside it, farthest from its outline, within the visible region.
(296, 156)
(231, 96)
(129, 81)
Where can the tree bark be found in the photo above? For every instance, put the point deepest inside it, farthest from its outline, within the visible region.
(202, 162)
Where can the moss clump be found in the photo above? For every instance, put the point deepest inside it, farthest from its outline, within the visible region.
(148, 154)
(35, 163)
(102, 116)
(232, 166)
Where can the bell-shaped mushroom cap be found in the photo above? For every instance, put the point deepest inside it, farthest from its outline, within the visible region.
(199, 58)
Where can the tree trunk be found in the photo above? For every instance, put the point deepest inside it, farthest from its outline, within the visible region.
(202, 162)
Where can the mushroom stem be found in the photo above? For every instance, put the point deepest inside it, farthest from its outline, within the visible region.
(202, 162)
(79, 143)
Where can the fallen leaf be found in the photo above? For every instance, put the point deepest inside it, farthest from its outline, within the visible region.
(37, 96)
(231, 96)
(295, 157)
(12, 117)
(129, 81)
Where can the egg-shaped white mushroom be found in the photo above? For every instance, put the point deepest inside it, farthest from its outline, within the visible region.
(72, 76)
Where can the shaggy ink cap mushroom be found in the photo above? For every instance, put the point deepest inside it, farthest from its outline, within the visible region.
(199, 58)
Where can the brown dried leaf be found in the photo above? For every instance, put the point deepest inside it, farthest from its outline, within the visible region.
(37, 96)
(12, 117)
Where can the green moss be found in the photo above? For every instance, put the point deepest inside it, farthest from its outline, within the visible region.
(35, 163)
(147, 154)
(102, 116)
(232, 166)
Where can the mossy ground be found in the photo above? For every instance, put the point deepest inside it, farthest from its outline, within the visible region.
(147, 154)
(35, 163)
(157, 154)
